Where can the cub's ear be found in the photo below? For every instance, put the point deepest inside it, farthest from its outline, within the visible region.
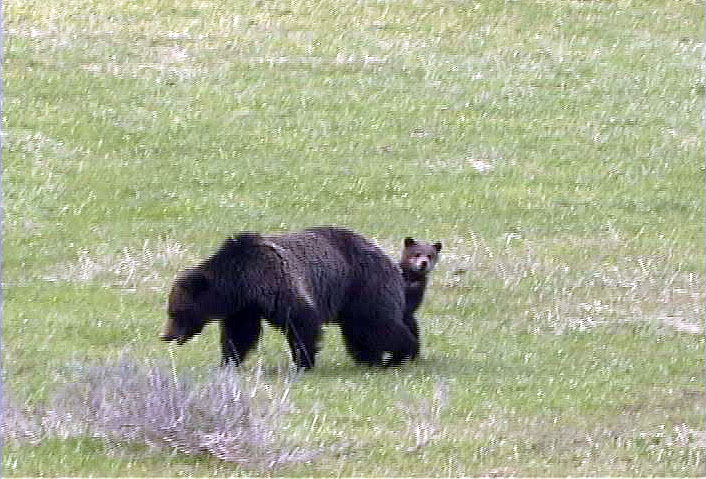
(194, 281)
(408, 241)
(437, 246)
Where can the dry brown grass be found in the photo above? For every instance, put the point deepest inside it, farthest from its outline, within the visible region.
(232, 417)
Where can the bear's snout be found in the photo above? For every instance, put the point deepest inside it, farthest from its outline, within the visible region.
(170, 333)
(167, 337)
(179, 338)
(175, 331)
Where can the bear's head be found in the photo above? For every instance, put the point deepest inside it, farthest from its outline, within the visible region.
(418, 256)
(188, 307)
(196, 297)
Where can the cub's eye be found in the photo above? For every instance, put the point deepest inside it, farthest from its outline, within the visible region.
(418, 255)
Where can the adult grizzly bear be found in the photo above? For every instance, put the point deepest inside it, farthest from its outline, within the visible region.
(297, 282)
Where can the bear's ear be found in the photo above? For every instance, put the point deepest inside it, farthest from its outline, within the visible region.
(408, 241)
(194, 281)
(437, 246)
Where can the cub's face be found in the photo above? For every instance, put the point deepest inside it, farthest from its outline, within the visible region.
(186, 308)
(420, 257)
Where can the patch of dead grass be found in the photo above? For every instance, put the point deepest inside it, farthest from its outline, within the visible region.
(230, 416)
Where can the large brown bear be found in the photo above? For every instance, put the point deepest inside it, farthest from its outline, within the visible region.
(297, 282)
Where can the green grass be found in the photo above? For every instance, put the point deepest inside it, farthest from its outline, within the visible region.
(555, 148)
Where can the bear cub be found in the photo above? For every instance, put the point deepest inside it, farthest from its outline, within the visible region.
(418, 260)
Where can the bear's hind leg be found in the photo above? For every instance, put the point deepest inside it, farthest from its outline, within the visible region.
(238, 337)
(411, 321)
(406, 347)
(406, 353)
(399, 341)
(374, 326)
(357, 346)
(369, 346)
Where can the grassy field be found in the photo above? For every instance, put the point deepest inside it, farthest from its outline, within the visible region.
(555, 147)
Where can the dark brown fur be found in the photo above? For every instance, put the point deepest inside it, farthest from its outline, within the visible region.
(296, 282)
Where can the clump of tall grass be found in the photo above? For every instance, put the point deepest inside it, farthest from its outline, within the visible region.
(230, 416)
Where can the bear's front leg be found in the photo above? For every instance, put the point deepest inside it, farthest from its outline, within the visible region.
(239, 334)
(303, 343)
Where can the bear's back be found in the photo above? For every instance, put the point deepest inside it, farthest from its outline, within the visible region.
(342, 264)
(356, 249)
(330, 267)
(313, 260)
(376, 289)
